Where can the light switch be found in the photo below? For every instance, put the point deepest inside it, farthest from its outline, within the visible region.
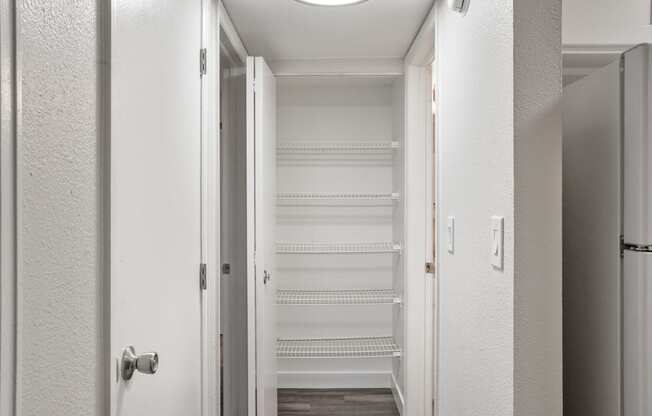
(496, 249)
(450, 233)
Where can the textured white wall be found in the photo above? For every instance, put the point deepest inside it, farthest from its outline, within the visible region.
(500, 141)
(476, 127)
(606, 22)
(537, 205)
(60, 324)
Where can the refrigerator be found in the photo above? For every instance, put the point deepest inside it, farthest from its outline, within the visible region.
(607, 239)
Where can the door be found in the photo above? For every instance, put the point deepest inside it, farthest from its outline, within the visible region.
(261, 224)
(155, 206)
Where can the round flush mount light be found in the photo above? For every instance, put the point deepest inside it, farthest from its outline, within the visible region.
(331, 2)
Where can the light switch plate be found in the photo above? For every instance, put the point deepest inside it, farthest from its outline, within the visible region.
(497, 239)
(450, 234)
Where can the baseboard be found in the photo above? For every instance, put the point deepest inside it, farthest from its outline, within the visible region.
(398, 395)
(333, 380)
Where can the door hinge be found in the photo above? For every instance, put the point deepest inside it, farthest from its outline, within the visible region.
(430, 268)
(202, 276)
(202, 61)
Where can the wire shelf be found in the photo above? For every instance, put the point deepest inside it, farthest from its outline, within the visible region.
(337, 297)
(337, 248)
(336, 147)
(299, 197)
(367, 347)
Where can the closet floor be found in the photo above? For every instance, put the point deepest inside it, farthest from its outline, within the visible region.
(332, 402)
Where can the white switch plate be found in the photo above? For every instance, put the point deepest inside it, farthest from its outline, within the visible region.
(497, 238)
(450, 233)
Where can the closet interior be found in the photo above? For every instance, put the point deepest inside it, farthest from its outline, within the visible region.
(339, 231)
(339, 252)
(337, 274)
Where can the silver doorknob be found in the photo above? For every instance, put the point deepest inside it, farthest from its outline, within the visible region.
(146, 363)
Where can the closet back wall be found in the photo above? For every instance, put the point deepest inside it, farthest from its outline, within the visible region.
(333, 109)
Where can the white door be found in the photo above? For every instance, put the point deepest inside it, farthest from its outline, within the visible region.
(155, 205)
(261, 224)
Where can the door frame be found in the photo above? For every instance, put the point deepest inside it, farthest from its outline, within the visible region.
(210, 214)
(10, 115)
(215, 21)
(422, 294)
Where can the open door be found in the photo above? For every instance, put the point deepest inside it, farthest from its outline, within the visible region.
(261, 224)
(155, 197)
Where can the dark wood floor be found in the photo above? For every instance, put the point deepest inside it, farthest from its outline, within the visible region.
(355, 402)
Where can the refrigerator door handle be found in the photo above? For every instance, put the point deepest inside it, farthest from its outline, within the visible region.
(641, 248)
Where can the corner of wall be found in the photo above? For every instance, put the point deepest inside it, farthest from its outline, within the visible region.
(537, 208)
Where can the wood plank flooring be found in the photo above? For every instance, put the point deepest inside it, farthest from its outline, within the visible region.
(331, 402)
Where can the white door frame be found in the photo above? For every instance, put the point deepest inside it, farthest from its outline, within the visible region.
(10, 79)
(210, 216)
(421, 294)
(214, 18)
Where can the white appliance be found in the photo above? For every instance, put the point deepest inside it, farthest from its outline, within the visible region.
(607, 200)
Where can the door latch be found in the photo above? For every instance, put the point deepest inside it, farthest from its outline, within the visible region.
(267, 276)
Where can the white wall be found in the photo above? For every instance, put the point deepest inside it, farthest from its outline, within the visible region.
(60, 325)
(537, 205)
(592, 229)
(398, 231)
(606, 22)
(499, 84)
(476, 130)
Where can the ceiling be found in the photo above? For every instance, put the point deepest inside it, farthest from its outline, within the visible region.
(286, 29)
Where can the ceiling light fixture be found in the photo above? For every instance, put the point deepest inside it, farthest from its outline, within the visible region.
(331, 2)
(459, 6)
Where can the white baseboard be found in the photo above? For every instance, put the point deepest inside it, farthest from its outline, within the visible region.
(333, 380)
(398, 395)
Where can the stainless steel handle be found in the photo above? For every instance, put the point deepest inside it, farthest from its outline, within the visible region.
(146, 363)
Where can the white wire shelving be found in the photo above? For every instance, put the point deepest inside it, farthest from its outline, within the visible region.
(289, 148)
(337, 297)
(337, 248)
(321, 197)
(364, 347)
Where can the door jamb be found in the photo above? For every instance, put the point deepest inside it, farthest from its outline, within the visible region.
(210, 220)
(214, 18)
(10, 114)
(418, 180)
